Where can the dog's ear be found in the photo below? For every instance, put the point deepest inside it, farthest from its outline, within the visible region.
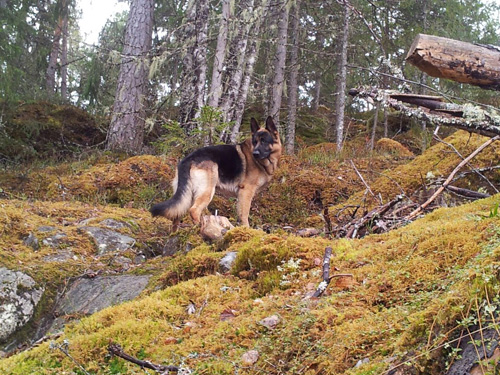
(270, 127)
(254, 125)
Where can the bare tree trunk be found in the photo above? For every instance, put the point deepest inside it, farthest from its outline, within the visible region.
(200, 53)
(386, 123)
(317, 93)
(252, 54)
(236, 61)
(293, 86)
(50, 75)
(64, 52)
(215, 91)
(194, 64)
(341, 86)
(374, 128)
(126, 131)
(279, 62)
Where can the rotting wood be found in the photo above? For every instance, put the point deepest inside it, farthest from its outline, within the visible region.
(115, 349)
(456, 60)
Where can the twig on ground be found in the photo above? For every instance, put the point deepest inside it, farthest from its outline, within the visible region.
(117, 350)
(466, 193)
(326, 273)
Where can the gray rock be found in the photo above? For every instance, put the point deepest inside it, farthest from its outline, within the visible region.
(18, 298)
(60, 256)
(87, 296)
(172, 246)
(57, 240)
(122, 262)
(114, 224)
(31, 241)
(227, 261)
(108, 241)
(46, 228)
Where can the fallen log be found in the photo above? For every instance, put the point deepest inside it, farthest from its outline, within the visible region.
(459, 61)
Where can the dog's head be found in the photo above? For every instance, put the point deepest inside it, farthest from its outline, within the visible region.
(265, 141)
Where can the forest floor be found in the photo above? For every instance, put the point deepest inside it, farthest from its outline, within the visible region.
(406, 301)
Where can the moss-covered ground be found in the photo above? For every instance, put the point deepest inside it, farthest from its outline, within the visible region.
(407, 298)
(410, 287)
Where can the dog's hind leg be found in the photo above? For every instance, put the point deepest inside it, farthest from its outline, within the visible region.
(204, 176)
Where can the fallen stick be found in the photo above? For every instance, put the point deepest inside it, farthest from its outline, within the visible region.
(326, 273)
(117, 350)
(419, 209)
(466, 193)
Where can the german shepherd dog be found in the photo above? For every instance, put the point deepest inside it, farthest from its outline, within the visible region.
(243, 169)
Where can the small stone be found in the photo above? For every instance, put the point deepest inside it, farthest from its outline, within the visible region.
(31, 241)
(56, 240)
(270, 322)
(249, 358)
(139, 259)
(227, 261)
(361, 362)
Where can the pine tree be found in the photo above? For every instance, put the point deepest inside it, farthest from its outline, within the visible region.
(126, 131)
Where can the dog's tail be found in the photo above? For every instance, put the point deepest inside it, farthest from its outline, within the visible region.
(177, 206)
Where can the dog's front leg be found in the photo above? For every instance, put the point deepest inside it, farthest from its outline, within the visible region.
(245, 196)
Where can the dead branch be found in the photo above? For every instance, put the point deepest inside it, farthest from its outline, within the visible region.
(413, 214)
(115, 349)
(352, 229)
(475, 170)
(466, 193)
(364, 182)
(470, 118)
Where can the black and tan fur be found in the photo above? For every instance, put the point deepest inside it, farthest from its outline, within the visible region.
(243, 169)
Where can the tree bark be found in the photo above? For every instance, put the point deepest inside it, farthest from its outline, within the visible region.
(126, 131)
(252, 55)
(459, 61)
(236, 61)
(341, 86)
(64, 52)
(293, 86)
(215, 91)
(50, 75)
(374, 128)
(317, 93)
(279, 63)
(194, 64)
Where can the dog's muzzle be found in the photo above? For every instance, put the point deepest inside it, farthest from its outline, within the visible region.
(257, 154)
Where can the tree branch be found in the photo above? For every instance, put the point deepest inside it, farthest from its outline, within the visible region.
(415, 212)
